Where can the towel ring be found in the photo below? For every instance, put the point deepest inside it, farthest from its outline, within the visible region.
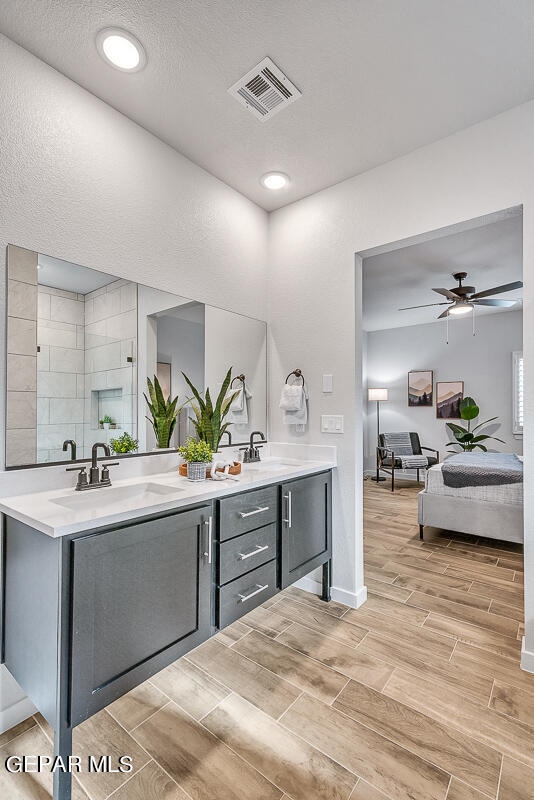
(297, 373)
(238, 378)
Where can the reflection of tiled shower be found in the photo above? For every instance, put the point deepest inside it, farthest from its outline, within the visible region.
(110, 361)
(86, 366)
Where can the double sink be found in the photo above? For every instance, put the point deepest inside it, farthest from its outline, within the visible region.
(153, 492)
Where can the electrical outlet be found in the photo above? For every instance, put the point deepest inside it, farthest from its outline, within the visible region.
(332, 423)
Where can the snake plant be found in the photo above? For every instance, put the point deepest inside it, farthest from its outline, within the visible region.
(163, 412)
(466, 438)
(209, 423)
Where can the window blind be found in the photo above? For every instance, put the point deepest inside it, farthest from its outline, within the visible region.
(517, 360)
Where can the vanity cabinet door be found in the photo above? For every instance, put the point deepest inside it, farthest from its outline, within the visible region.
(306, 529)
(140, 599)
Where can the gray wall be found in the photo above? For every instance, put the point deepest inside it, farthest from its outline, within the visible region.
(483, 362)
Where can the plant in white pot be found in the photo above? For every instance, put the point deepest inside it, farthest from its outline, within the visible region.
(163, 413)
(198, 456)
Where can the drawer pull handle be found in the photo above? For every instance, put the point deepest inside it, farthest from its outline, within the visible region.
(244, 597)
(258, 549)
(259, 510)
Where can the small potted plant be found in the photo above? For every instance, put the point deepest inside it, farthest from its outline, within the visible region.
(124, 443)
(106, 422)
(198, 455)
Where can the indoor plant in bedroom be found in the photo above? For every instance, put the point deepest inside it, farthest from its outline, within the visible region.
(163, 413)
(467, 438)
(197, 454)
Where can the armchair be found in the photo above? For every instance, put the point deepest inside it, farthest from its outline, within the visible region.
(387, 461)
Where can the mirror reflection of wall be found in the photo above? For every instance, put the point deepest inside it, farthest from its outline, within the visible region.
(81, 344)
(82, 366)
(203, 341)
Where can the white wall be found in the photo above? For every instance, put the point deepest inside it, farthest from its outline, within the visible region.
(81, 182)
(483, 362)
(315, 291)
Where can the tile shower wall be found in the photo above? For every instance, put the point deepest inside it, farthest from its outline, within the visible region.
(21, 427)
(60, 371)
(110, 379)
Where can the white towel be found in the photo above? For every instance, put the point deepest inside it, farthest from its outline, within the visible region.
(292, 397)
(238, 412)
(298, 416)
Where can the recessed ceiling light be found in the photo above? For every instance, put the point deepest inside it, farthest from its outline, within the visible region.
(121, 49)
(274, 180)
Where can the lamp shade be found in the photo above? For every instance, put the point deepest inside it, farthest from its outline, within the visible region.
(377, 395)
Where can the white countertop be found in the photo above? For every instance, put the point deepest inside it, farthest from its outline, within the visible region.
(63, 511)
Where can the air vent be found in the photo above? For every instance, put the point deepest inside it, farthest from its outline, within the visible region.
(265, 90)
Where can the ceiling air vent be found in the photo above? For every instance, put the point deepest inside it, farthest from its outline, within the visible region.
(264, 90)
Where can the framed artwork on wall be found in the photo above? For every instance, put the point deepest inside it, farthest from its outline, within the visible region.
(421, 388)
(449, 394)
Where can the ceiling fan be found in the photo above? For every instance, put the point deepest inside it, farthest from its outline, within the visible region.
(462, 299)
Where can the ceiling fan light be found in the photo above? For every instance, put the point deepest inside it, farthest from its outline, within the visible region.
(460, 308)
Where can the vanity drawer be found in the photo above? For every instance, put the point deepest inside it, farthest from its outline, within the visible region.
(246, 552)
(245, 512)
(246, 592)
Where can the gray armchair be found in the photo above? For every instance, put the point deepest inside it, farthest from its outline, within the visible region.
(387, 461)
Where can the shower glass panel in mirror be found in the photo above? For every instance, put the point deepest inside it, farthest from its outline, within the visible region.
(81, 344)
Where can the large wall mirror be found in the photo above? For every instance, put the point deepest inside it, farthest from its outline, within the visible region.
(81, 344)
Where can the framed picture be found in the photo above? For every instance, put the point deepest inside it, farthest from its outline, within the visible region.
(449, 394)
(421, 388)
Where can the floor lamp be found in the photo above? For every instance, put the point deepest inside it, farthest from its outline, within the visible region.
(377, 396)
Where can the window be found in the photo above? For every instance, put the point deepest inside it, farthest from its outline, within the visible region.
(517, 360)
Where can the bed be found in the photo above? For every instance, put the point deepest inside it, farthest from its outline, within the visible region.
(494, 511)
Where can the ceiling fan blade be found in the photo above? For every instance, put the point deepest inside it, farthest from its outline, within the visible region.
(500, 303)
(447, 293)
(426, 305)
(506, 287)
(444, 314)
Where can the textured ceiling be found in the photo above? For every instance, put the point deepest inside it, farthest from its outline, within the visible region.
(379, 77)
(492, 255)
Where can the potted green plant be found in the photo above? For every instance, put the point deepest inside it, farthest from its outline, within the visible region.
(163, 413)
(124, 443)
(106, 422)
(209, 419)
(467, 438)
(197, 454)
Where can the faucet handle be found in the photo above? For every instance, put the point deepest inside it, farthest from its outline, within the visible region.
(82, 476)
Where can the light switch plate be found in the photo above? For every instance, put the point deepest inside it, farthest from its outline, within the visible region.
(328, 383)
(332, 423)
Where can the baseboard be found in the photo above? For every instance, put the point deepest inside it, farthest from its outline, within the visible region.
(351, 599)
(16, 713)
(527, 658)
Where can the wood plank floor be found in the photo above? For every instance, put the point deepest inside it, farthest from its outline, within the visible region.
(418, 695)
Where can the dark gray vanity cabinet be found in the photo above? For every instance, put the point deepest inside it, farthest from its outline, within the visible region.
(306, 526)
(247, 550)
(140, 599)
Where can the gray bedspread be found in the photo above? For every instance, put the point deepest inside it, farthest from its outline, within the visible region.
(482, 469)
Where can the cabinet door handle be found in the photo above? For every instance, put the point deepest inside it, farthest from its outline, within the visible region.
(289, 520)
(244, 597)
(207, 553)
(258, 549)
(259, 510)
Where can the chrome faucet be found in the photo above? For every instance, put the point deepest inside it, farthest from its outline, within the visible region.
(95, 479)
(252, 453)
(72, 444)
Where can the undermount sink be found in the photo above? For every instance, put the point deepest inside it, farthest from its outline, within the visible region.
(109, 496)
(272, 465)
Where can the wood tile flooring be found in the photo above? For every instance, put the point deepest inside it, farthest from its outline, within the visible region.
(418, 695)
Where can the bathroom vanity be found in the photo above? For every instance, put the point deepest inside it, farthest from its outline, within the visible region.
(103, 589)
